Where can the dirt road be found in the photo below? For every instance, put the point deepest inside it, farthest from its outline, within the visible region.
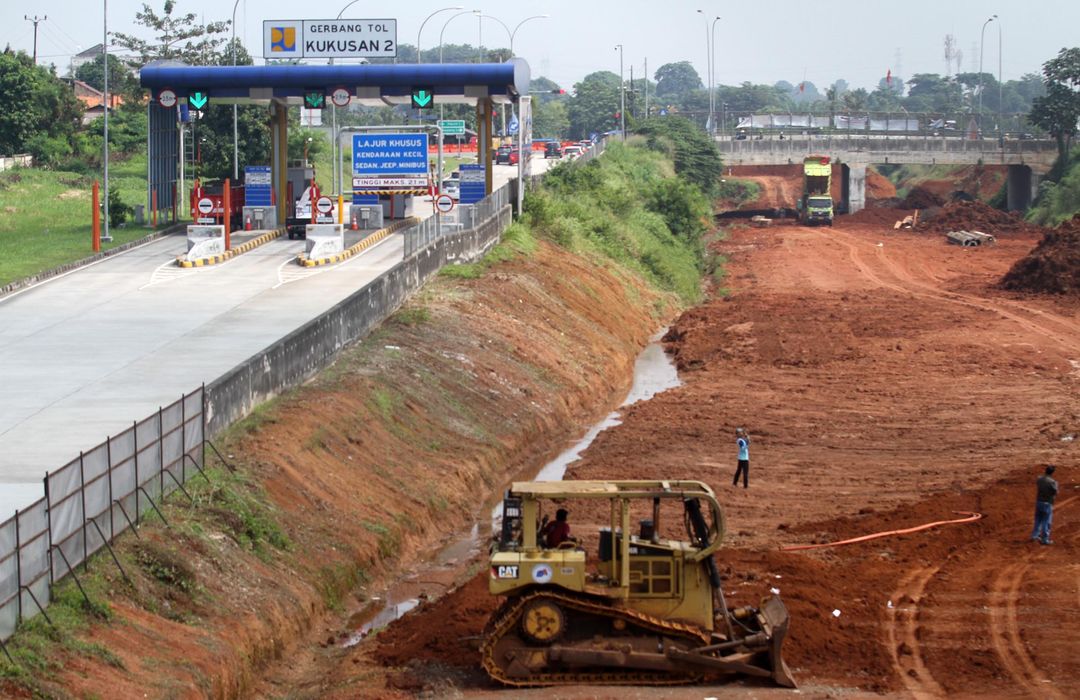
(886, 382)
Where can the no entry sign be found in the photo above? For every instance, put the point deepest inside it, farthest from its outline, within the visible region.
(206, 205)
(444, 203)
(325, 205)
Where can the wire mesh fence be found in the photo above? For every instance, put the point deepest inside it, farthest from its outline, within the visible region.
(92, 499)
(464, 217)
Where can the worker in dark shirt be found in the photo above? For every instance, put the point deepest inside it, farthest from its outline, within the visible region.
(558, 531)
(1046, 489)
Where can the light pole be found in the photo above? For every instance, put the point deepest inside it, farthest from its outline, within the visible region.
(419, 31)
(510, 35)
(710, 44)
(982, 34)
(235, 137)
(443, 31)
(622, 93)
(1001, 134)
(105, 103)
(712, 75)
(335, 147)
(518, 26)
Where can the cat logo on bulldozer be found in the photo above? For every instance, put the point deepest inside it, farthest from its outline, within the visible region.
(505, 571)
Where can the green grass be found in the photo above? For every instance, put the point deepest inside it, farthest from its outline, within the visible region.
(45, 216)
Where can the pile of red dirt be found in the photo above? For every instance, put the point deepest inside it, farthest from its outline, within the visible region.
(875, 216)
(434, 632)
(921, 198)
(974, 216)
(878, 186)
(1053, 266)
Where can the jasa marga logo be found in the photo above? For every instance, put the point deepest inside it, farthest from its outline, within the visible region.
(282, 39)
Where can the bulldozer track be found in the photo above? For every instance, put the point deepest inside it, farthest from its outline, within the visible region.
(508, 614)
(902, 634)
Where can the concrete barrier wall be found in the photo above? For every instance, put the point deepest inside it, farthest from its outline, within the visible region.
(313, 346)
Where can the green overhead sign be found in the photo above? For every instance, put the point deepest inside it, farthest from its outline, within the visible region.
(198, 98)
(423, 98)
(452, 127)
(315, 98)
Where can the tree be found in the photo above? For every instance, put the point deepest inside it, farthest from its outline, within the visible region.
(39, 109)
(695, 155)
(855, 100)
(1059, 109)
(676, 79)
(179, 38)
(550, 119)
(594, 104)
(121, 81)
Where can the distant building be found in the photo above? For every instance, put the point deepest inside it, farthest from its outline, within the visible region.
(93, 100)
(84, 57)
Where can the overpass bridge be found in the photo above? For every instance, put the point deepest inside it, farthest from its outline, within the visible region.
(1026, 159)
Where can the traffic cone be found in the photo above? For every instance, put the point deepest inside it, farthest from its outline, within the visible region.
(354, 226)
(247, 223)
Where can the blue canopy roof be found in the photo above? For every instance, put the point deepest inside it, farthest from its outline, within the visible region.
(388, 83)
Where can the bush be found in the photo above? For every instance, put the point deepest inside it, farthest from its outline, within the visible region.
(628, 206)
(49, 151)
(118, 211)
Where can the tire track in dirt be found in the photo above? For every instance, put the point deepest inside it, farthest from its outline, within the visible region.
(1005, 625)
(1005, 632)
(902, 635)
(908, 284)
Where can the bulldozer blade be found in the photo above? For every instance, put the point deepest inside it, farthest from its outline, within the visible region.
(775, 621)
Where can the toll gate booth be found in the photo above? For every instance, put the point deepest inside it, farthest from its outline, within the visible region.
(279, 86)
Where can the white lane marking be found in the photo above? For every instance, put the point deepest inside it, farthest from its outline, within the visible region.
(289, 271)
(166, 272)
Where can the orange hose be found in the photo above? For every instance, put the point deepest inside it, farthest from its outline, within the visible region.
(972, 517)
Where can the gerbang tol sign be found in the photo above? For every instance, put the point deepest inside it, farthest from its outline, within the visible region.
(329, 38)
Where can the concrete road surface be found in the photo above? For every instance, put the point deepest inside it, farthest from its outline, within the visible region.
(84, 355)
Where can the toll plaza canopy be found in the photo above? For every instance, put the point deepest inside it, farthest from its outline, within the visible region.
(281, 85)
(373, 85)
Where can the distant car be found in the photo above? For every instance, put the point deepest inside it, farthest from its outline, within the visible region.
(515, 156)
(502, 156)
(572, 152)
(452, 188)
(552, 149)
(456, 175)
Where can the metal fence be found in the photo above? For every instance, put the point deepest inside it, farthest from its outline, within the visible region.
(463, 217)
(94, 498)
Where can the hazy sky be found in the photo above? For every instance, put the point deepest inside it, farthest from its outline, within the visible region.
(858, 40)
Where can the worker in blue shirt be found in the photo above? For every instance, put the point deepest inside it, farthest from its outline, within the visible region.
(742, 441)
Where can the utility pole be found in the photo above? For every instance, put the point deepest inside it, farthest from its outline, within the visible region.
(622, 94)
(35, 19)
(646, 87)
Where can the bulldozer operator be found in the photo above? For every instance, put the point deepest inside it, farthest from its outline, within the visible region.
(557, 531)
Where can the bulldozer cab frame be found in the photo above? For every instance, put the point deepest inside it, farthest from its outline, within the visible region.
(522, 505)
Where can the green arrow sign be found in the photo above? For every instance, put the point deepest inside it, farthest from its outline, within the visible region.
(423, 98)
(198, 99)
(314, 99)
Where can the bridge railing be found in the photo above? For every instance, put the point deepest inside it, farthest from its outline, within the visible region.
(932, 145)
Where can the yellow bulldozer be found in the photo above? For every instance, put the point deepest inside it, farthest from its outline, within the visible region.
(645, 610)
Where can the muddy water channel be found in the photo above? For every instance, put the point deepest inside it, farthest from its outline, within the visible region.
(654, 372)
